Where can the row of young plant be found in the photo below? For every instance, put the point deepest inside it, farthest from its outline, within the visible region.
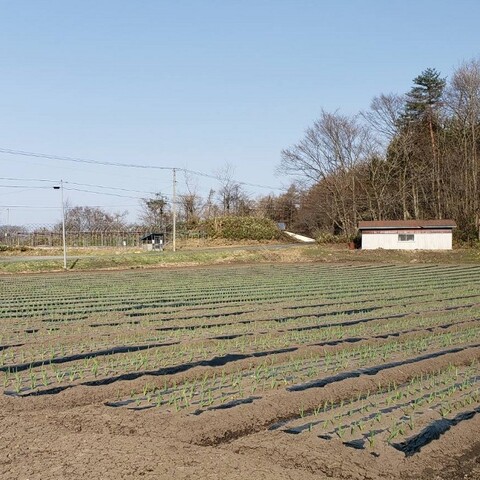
(272, 328)
(158, 297)
(243, 324)
(397, 415)
(253, 341)
(32, 330)
(283, 283)
(220, 387)
(335, 334)
(16, 331)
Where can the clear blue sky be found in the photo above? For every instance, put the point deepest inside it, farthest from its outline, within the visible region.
(198, 84)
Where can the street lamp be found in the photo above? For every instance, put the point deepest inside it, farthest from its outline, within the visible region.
(63, 225)
(174, 208)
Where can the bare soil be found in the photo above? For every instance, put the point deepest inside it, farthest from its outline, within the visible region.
(74, 434)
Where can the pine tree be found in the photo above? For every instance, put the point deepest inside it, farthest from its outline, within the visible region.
(425, 95)
(421, 115)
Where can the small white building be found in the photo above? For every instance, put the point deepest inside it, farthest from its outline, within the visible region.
(407, 234)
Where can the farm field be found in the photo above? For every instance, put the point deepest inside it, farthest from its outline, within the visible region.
(265, 371)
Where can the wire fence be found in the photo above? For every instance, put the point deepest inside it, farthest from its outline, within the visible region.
(32, 236)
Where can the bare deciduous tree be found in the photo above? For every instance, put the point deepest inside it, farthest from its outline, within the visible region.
(155, 212)
(330, 152)
(415, 156)
(463, 104)
(92, 219)
(233, 200)
(385, 115)
(190, 202)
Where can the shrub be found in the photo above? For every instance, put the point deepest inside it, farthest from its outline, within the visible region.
(8, 248)
(242, 228)
(466, 237)
(326, 237)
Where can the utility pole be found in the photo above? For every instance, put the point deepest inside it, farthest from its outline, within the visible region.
(174, 208)
(64, 237)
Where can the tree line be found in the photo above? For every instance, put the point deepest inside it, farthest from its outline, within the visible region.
(194, 211)
(409, 156)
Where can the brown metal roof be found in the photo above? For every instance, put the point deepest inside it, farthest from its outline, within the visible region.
(407, 224)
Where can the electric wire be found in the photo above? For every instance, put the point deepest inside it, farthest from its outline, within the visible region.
(130, 165)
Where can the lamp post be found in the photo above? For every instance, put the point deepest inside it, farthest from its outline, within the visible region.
(174, 208)
(63, 225)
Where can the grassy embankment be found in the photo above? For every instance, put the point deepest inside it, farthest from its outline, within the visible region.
(92, 259)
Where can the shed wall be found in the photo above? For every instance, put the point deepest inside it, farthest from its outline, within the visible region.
(422, 241)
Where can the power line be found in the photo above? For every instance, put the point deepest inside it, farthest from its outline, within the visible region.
(56, 208)
(80, 160)
(13, 179)
(29, 187)
(100, 193)
(22, 186)
(219, 178)
(76, 183)
(29, 207)
(129, 165)
(110, 188)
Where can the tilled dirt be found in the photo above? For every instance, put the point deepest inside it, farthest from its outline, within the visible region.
(68, 430)
(73, 435)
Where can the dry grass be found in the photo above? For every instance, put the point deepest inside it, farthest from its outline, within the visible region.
(125, 258)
